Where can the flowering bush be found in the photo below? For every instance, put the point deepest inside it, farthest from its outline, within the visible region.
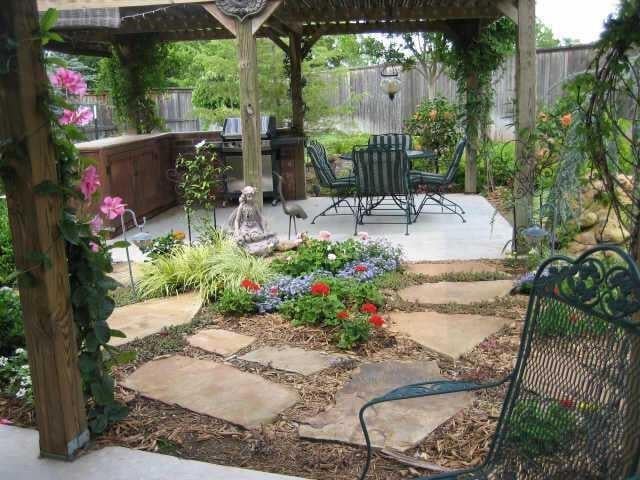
(236, 302)
(353, 332)
(164, 245)
(313, 310)
(320, 289)
(435, 122)
(15, 378)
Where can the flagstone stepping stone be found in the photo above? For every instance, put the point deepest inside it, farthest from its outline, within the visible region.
(146, 318)
(437, 269)
(214, 389)
(400, 425)
(291, 359)
(456, 292)
(448, 334)
(222, 342)
(121, 273)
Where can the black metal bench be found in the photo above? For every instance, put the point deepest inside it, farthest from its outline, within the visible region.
(572, 408)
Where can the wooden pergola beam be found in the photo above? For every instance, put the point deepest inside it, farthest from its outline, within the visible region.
(508, 9)
(28, 161)
(44, 5)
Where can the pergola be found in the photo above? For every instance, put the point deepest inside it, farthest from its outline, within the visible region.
(293, 25)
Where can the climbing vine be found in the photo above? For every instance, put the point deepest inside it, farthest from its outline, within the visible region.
(88, 256)
(134, 69)
(471, 65)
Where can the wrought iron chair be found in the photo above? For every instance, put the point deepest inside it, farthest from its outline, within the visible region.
(382, 181)
(436, 186)
(341, 188)
(402, 141)
(572, 408)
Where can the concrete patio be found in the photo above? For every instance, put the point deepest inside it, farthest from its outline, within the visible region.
(19, 447)
(433, 237)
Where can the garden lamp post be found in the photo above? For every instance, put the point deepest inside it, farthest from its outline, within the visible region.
(140, 239)
(390, 82)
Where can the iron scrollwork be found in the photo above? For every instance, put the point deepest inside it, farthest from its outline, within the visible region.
(241, 9)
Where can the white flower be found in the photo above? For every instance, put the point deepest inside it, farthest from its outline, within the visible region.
(200, 145)
(21, 393)
(19, 351)
(331, 257)
(3, 361)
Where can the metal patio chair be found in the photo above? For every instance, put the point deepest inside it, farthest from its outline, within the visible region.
(341, 188)
(404, 141)
(572, 408)
(437, 185)
(382, 184)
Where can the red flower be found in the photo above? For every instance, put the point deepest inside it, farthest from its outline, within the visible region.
(274, 291)
(343, 315)
(320, 289)
(249, 285)
(568, 403)
(361, 268)
(376, 320)
(369, 308)
(556, 291)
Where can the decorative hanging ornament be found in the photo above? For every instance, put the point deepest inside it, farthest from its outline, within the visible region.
(390, 82)
(240, 9)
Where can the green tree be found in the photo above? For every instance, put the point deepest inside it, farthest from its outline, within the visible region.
(545, 37)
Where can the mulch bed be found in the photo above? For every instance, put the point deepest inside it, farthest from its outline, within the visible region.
(461, 442)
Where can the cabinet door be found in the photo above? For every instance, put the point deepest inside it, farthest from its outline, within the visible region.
(121, 178)
(153, 190)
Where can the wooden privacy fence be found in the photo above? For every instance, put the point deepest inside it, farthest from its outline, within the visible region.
(174, 106)
(372, 111)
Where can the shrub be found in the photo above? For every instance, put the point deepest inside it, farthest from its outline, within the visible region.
(313, 310)
(7, 265)
(15, 377)
(354, 332)
(209, 269)
(435, 122)
(164, 245)
(539, 429)
(341, 142)
(235, 302)
(11, 327)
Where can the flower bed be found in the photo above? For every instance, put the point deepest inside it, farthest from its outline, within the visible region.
(323, 283)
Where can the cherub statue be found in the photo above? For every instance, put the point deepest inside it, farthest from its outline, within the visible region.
(249, 228)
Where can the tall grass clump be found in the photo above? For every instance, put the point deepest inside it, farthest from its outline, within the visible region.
(208, 269)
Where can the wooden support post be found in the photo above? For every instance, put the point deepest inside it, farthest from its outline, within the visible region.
(44, 293)
(250, 108)
(472, 129)
(525, 116)
(297, 114)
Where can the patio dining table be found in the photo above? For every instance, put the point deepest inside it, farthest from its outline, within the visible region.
(411, 154)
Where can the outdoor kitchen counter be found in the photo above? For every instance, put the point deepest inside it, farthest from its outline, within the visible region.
(134, 167)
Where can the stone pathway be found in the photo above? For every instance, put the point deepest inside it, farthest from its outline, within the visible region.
(291, 359)
(456, 292)
(449, 334)
(222, 342)
(214, 389)
(400, 425)
(121, 273)
(437, 269)
(146, 318)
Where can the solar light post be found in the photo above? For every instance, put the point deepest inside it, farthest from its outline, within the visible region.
(140, 239)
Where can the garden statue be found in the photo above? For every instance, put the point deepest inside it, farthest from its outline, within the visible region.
(248, 225)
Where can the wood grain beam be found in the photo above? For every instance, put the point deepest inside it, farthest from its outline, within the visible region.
(508, 9)
(44, 5)
(227, 22)
(258, 20)
(275, 38)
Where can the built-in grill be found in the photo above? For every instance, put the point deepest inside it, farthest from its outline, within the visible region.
(231, 151)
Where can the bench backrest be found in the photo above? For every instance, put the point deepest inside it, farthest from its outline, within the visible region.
(573, 406)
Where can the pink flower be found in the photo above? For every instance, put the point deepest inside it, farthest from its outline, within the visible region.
(112, 207)
(364, 236)
(324, 236)
(5, 421)
(89, 182)
(94, 247)
(81, 117)
(70, 81)
(96, 224)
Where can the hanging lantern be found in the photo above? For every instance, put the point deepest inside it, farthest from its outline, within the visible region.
(534, 235)
(390, 82)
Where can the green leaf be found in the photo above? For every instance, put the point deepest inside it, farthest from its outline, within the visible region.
(48, 188)
(123, 358)
(116, 412)
(118, 334)
(91, 342)
(102, 332)
(99, 423)
(87, 363)
(55, 37)
(48, 20)
(119, 244)
(103, 391)
(70, 231)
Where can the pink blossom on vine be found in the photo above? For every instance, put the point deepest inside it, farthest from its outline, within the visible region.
(96, 224)
(69, 81)
(94, 247)
(89, 182)
(80, 117)
(112, 207)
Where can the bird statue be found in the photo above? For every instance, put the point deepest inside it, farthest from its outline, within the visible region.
(292, 209)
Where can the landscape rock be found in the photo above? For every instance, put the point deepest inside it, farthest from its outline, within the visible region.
(222, 342)
(456, 292)
(292, 359)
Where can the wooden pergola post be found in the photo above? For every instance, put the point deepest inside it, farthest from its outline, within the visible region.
(525, 116)
(472, 132)
(296, 56)
(44, 291)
